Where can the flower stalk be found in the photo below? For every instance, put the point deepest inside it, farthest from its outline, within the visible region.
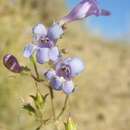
(64, 107)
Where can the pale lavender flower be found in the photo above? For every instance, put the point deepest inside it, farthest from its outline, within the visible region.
(11, 63)
(65, 70)
(69, 68)
(82, 10)
(45, 43)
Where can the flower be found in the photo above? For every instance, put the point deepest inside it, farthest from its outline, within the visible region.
(65, 71)
(82, 10)
(45, 43)
(11, 63)
(69, 67)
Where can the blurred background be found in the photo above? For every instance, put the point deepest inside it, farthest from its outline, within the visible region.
(102, 99)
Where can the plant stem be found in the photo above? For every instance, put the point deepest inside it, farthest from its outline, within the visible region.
(52, 103)
(64, 107)
(35, 67)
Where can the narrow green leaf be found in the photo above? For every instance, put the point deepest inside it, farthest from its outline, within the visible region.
(29, 108)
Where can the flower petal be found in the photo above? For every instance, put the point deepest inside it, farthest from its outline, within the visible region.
(55, 31)
(28, 50)
(68, 87)
(42, 55)
(56, 83)
(39, 31)
(50, 74)
(76, 66)
(54, 54)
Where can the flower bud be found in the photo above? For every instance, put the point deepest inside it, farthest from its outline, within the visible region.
(70, 125)
(11, 63)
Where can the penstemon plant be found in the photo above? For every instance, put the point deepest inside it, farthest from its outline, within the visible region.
(61, 71)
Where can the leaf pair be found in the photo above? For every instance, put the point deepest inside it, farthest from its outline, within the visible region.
(39, 100)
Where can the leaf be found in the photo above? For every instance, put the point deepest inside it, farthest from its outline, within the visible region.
(29, 108)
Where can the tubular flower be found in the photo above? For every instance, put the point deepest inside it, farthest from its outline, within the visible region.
(45, 43)
(65, 70)
(84, 9)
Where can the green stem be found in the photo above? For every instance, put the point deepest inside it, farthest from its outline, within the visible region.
(64, 107)
(35, 67)
(52, 103)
